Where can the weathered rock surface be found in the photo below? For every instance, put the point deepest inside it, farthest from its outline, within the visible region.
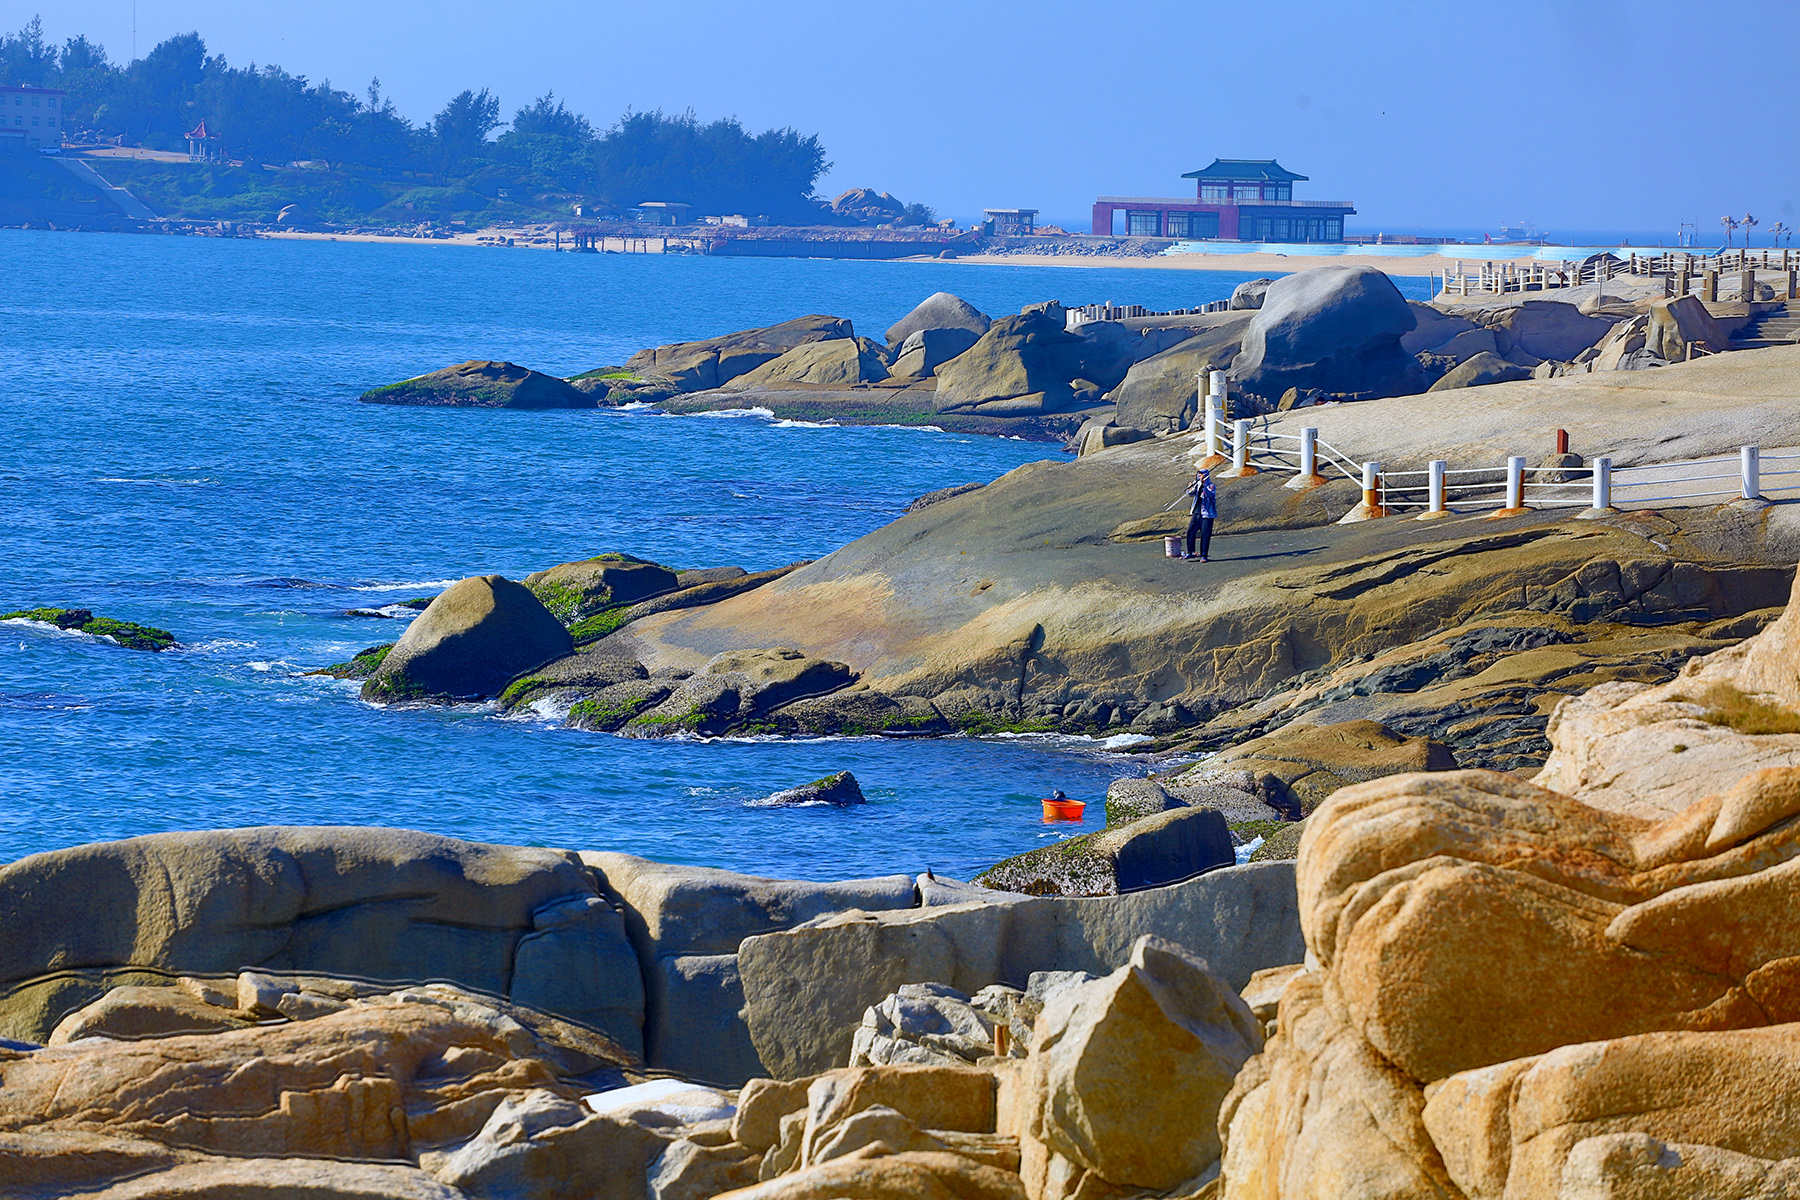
(1127, 1074)
(575, 591)
(928, 1024)
(1337, 329)
(737, 688)
(1161, 393)
(391, 905)
(855, 712)
(1240, 919)
(361, 1101)
(1149, 852)
(1301, 765)
(1513, 992)
(840, 788)
(477, 635)
(1027, 356)
(1539, 330)
(713, 362)
(837, 362)
(925, 350)
(1478, 369)
(685, 925)
(477, 384)
(1250, 293)
(939, 311)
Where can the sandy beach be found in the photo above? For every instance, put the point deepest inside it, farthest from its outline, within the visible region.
(1256, 264)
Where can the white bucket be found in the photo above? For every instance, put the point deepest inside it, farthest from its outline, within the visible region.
(1171, 547)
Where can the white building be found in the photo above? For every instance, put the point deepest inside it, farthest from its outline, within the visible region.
(35, 115)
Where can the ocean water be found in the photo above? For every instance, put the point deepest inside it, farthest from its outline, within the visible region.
(180, 446)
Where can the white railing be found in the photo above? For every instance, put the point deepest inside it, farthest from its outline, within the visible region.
(1598, 487)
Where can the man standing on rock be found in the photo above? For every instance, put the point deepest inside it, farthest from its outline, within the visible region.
(1206, 507)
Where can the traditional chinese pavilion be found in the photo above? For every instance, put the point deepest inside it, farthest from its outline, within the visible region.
(1235, 200)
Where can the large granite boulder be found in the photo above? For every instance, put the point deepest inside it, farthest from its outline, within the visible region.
(475, 636)
(575, 591)
(1126, 1075)
(713, 362)
(925, 350)
(1478, 370)
(1336, 329)
(1029, 355)
(1432, 327)
(939, 311)
(1161, 393)
(1677, 324)
(1547, 330)
(837, 362)
(1152, 851)
(1240, 919)
(685, 924)
(377, 904)
(478, 384)
(1250, 293)
(1109, 350)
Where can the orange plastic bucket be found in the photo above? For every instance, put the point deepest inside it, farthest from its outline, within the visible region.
(1063, 810)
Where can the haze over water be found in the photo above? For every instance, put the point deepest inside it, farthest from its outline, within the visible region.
(183, 449)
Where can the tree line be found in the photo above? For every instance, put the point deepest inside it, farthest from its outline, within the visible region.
(263, 114)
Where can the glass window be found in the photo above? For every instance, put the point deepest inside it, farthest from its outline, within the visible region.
(1247, 191)
(1215, 191)
(1143, 224)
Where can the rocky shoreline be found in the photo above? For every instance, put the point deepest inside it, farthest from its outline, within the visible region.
(1468, 985)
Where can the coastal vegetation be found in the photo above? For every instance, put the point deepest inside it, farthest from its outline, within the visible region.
(283, 139)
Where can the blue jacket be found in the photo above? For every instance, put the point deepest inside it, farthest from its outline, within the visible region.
(1206, 496)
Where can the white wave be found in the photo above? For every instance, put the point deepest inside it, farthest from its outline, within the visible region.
(1119, 741)
(780, 800)
(212, 644)
(1247, 849)
(766, 413)
(272, 665)
(911, 428)
(633, 406)
(166, 482)
(788, 423)
(395, 587)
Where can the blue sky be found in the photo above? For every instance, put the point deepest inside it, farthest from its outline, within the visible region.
(1453, 114)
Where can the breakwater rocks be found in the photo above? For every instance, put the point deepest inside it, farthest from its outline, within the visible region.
(1050, 372)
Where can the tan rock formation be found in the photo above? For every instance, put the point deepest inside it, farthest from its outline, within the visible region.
(1516, 994)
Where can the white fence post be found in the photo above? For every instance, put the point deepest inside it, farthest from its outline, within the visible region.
(1750, 459)
(1213, 456)
(1603, 483)
(1309, 452)
(1515, 486)
(1240, 451)
(1371, 482)
(1434, 491)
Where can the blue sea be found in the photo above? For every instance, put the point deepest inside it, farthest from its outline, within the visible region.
(183, 448)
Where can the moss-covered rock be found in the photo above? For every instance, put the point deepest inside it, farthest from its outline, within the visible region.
(126, 633)
(856, 713)
(477, 637)
(840, 788)
(478, 384)
(361, 665)
(578, 591)
(1165, 848)
(1279, 844)
(738, 690)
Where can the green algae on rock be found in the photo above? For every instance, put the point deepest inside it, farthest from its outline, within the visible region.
(361, 665)
(479, 384)
(126, 633)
